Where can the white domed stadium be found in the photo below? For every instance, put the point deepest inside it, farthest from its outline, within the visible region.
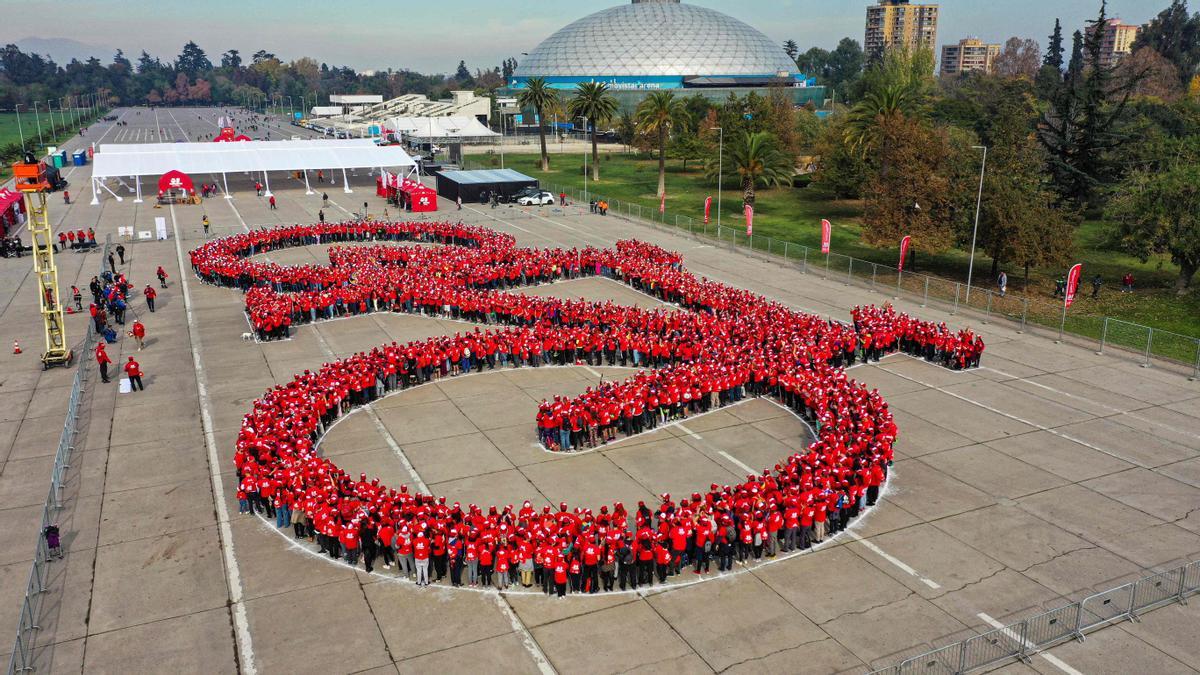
(662, 44)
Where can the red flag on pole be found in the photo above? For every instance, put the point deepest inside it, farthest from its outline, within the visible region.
(1072, 284)
(749, 220)
(903, 252)
(662, 202)
(707, 208)
(826, 233)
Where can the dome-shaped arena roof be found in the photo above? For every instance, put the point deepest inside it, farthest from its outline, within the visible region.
(656, 38)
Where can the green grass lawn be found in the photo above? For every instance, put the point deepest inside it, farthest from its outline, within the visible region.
(794, 215)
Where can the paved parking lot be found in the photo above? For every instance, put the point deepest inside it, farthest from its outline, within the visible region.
(1047, 474)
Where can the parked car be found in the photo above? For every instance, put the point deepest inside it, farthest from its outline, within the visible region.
(540, 199)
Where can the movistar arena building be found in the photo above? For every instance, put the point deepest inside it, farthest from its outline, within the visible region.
(652, 45)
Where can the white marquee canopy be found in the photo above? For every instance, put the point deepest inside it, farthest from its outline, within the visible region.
(120, 160)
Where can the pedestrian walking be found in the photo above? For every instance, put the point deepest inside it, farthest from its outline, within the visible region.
(271, 202)
(133, 370)
(138, 332)
(112, 264)
(1127, 283)
(324, 199)
(162, 276)
(204, 223)
(1097, 282)
(150, 295)
(1002, 282)
(458, 202)
(53, 541)
(121, 253)
(321, 216)
(77, 295)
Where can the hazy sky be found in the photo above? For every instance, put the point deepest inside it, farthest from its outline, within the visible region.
(431, 36)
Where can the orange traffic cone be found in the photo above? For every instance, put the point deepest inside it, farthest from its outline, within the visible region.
(16, 347)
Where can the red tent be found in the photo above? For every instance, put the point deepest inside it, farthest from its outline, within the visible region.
(410, 194)
(175, 180)
(12, 210)
(229, 134)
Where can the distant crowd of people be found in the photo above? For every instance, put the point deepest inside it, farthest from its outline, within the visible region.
(716, 345)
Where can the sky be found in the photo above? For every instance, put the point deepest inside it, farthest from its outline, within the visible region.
(432, 36)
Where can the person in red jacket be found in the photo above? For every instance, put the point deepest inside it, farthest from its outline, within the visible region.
(103, 359)
(162, 276)
(560, 576)
(350, 542)
(150, 294)
(134, 372)
(138, 331)
(421, 555)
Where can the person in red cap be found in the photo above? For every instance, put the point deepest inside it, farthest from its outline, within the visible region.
(150, 294)
(421, 550)
(103, 359)
(138, 331)
(134, 372)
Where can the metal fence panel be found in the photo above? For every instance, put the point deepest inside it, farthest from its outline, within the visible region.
(945, 660)
(1156, 588)
(1051, 627)
(1106, 607)
(1191, 578)
(992, 647)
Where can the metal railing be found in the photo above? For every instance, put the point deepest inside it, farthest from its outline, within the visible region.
(1145, 343)
(1024, 638)
(21, 659)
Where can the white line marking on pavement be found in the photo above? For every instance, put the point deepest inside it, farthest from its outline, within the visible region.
(531, 645)
(894, 560)
(1050, 658)
(593, 372)
(745, 467)
(691, 433)
(232, 572)
(1022, 420)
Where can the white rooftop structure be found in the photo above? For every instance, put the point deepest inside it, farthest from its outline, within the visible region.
(121, 160)
(356, 99)
(357, 121)
(440, 128)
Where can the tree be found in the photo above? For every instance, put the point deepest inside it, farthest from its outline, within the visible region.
(1081, 125)
(791, 49)
(539, 96)
(1158, 211)
(463, 75)
(593, 101)
(757, 161)
(657, 114)
(841, 172)
(1020, 221)
(231, 59)
(1049, 77)
(1019, 58)
(918, 189)
(872, 113)
(1153, 73)
(687, 147)
(1176, 36)
(192, 60)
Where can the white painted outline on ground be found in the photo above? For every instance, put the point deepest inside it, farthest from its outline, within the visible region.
(1050, 658)
(233, 576)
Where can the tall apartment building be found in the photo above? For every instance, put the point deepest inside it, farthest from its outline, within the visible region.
(898, 23)
(1116, 41)
(970, 55)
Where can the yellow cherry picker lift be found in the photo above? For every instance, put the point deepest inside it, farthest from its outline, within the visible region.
(32, 180)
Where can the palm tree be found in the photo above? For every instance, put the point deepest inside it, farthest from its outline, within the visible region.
(657, 114)
(593, 101)
(539, 96)
(878, 106)
(758, 160)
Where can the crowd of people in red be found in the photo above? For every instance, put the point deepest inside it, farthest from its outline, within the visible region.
(716, 346)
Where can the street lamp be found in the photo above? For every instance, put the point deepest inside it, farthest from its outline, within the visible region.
(975, 231)
(38, 118)
(20, 130)
(585, 154)
(720, 173)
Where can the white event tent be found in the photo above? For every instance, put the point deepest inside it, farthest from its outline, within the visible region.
(120, 160)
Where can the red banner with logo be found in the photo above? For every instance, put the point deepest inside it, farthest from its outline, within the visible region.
(903, 252)
(662, 202)
(1072, 284)
(826, 233)
(749, 220)
(707, 208)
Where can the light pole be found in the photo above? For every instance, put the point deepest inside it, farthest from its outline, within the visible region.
(585, 154)
(38, 118)
(720, 173)
(61, 113)
(975, 231)
(20, 130)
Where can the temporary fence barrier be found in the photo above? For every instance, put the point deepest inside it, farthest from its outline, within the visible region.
(1024, 638)
(21, 659)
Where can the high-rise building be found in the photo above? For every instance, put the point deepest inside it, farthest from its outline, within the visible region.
(898, 23)
(1116, 40)
(970, 55)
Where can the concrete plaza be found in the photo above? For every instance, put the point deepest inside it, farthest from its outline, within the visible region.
(1041, 478)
